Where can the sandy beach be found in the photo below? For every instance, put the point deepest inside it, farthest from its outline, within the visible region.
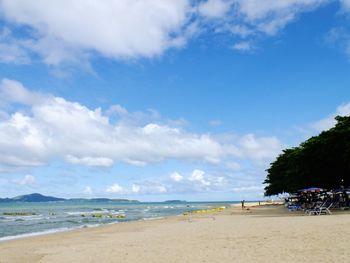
(260, 234)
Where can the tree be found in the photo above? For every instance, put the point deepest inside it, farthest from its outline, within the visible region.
(322, 161)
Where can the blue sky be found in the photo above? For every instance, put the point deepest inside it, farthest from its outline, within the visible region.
(159, 100)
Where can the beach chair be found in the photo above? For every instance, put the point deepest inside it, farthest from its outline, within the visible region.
(314, 209)
(320, 210)
(325, 209)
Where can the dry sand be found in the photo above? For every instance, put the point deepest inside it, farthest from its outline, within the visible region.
(260, 234)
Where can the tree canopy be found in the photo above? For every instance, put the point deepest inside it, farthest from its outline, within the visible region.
(321, 161)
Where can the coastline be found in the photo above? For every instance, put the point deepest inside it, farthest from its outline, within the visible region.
(257, 234)
(67, 229)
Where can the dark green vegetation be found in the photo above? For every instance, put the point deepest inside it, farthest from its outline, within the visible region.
(18, 213)
(102, 215)
(42, 198)
(321, 161)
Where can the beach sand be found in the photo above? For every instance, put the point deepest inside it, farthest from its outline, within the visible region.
(260, 234)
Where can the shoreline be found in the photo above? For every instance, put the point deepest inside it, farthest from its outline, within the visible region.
(68, 229)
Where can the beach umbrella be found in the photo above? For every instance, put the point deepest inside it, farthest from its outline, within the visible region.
(311, 189)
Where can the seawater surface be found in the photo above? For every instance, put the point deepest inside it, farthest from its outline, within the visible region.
(50, 217)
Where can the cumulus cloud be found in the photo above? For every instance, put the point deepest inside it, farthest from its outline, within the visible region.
(252, 147)
(148, 187)
(115, 189)
(242, 46)
(176, 177)
(117, 28)
(27, 180)
(14, 92)
(135, 188)
(329, 121)
(196, 181)
(74, 30)
(52, 128)
(198, 176)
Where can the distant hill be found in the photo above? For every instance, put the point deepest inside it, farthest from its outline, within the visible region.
(32, 198)
(42, 198)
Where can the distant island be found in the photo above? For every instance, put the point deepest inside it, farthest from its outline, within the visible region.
(42, 198)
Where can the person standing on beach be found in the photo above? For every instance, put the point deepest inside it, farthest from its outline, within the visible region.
(242, 204)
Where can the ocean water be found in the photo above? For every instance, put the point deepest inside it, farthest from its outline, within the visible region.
(50, 217)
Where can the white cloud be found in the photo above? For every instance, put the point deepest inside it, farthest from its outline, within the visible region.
(115, 189)
(161, 189)
(88, 190)
(258, 148)
(200, 181)
(135, 188)
(329, 122)
(13, 91)
(90, 161)
(214, 8)
(176, 177)
(148, 187)
(116, 28)
(74, 30)
(198, 176)
(240, 30)
(274, 26)
(52, 128)
(27, 180)
(242, 46)
(196, 181)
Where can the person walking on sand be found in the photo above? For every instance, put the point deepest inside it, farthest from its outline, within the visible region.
(242, 204)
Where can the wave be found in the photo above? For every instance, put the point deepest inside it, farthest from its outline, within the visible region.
(33, 234)
(50, 231)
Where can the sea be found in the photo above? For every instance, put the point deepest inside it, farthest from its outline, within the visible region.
(18, 220)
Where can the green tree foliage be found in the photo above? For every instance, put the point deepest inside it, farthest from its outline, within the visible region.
(321, 161)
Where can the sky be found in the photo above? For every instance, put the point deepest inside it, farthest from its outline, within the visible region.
(156, 100)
